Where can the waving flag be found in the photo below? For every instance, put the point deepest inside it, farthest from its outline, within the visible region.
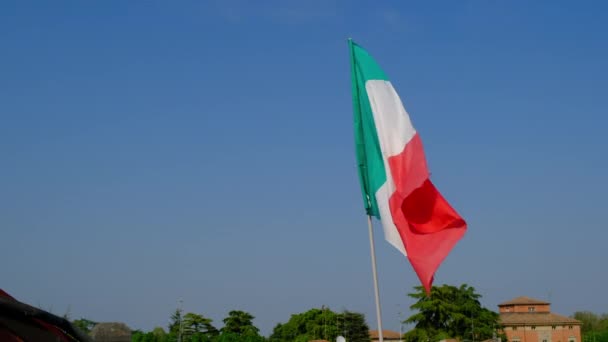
(393, 172)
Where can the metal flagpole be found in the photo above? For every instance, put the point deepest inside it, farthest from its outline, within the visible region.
(375, 274)
(369, 218)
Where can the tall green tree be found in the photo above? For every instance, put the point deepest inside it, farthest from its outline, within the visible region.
(314, 324)
(176, 322)
(450, 312)
(239, 323)
(353, 327)
(197, 327)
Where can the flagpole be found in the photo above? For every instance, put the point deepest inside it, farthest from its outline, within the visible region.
(369, 220)
(375, 276)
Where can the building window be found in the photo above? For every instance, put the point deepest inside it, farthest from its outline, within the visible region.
(514, 328)
(571, 339)
(531, 309)
(553, 327)
(533, 327)
(570, 327)
(544, 340)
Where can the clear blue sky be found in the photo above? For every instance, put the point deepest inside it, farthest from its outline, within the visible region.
(157, 150)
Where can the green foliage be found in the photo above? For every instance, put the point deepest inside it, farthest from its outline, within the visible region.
(316, 324)
(590, 321)
(239, 323)
(596, 336)
(353, 326)
(137, 336)
(450, 312)
(594, 327)
(310, 325)
(84, 324)
(197, 328)
(238, 326)
(198, 337)
(156, 335)
(232, 337)
(603, 325)
(159, 333)
(198, 325)
(176, 321)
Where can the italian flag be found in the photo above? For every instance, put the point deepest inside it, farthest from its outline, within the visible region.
(394, 175)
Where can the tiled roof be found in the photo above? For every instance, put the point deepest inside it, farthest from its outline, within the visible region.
(385, 333)
(523, 300)
(538, 318)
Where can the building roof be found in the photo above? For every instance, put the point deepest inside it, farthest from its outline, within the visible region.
(523, 300)
(535, 318)
(22, 322)
(385, 333)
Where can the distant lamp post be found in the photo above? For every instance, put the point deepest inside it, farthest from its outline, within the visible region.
(400, 323)
(181, 320)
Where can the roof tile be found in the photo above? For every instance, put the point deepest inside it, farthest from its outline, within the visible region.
(524, 300)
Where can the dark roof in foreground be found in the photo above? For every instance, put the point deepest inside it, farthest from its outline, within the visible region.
(538, 318)
(523, 300)
(22, 322)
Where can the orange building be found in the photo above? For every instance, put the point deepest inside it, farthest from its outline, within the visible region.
(387, 335)
(526, 319)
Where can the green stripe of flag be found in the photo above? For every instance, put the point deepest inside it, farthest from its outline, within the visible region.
(370, 165)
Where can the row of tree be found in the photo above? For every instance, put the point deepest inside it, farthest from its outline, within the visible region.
(449, 312)
(238, 326)
(192, 327)
(594, 327)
